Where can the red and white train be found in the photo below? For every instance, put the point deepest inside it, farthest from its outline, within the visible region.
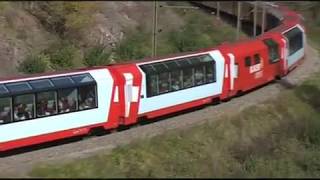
(48, 107)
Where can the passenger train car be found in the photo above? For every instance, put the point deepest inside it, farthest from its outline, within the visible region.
(48, 107)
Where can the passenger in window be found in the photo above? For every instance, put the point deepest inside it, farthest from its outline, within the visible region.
(51, 108)
(45, 108)
(88, 103)
(5, 115)
(199, 77)
(164, 87)
(175, 85)
(87, 97)
(187, 82)
(42, 108)
(21, 112)
(64, 105)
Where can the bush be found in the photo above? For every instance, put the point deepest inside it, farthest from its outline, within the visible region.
(97, 56)
(198, 34)
(136, 45)
(189, 39)
(34, 64)
(62, 55)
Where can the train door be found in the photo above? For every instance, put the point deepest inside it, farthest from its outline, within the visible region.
(284, 64)
(274, 65)
(131, 98)
(233, 71)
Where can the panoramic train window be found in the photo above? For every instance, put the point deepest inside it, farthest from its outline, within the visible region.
(295, 38)
(176, 81)
(46, 97)
(256, 59)
(83, 78)
(199, 77)
(67, 100)
(273, 50)
(188, 77)
(178, 74)
(23, 107)
(62, 81)
(41, 84)
(210, 72)
(164, 82)
(152, 85)
(247, 61)
(5, 110)
(87, 97)
(18, 87)
(3, 90)
(46, 103)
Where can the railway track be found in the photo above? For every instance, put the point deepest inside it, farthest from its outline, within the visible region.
(20, 161)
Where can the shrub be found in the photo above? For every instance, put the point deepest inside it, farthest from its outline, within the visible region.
(62, 55)
(34, 64)
(97, 56)
(136, 45)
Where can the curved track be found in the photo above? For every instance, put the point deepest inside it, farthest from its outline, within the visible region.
(19, 164)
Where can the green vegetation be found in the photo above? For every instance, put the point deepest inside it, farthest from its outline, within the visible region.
(136, 45)
(62, 55)
(198, 32)
(280, 138)
(64, 18)
(97, 56)
(67, 19)
(35, 64)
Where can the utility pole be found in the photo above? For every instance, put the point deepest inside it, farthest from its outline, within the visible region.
(155, 29)
(255, 19)
(155, 23)
(263, 18)
(238, 20)
(218, 10)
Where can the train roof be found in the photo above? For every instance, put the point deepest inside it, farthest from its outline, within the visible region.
(22, 77)
(166, 57)
(242, 48)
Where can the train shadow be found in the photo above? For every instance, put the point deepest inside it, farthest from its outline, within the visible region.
(145, 121)
(41, 146)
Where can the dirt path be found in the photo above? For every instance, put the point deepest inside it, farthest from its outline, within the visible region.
(18, 165)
